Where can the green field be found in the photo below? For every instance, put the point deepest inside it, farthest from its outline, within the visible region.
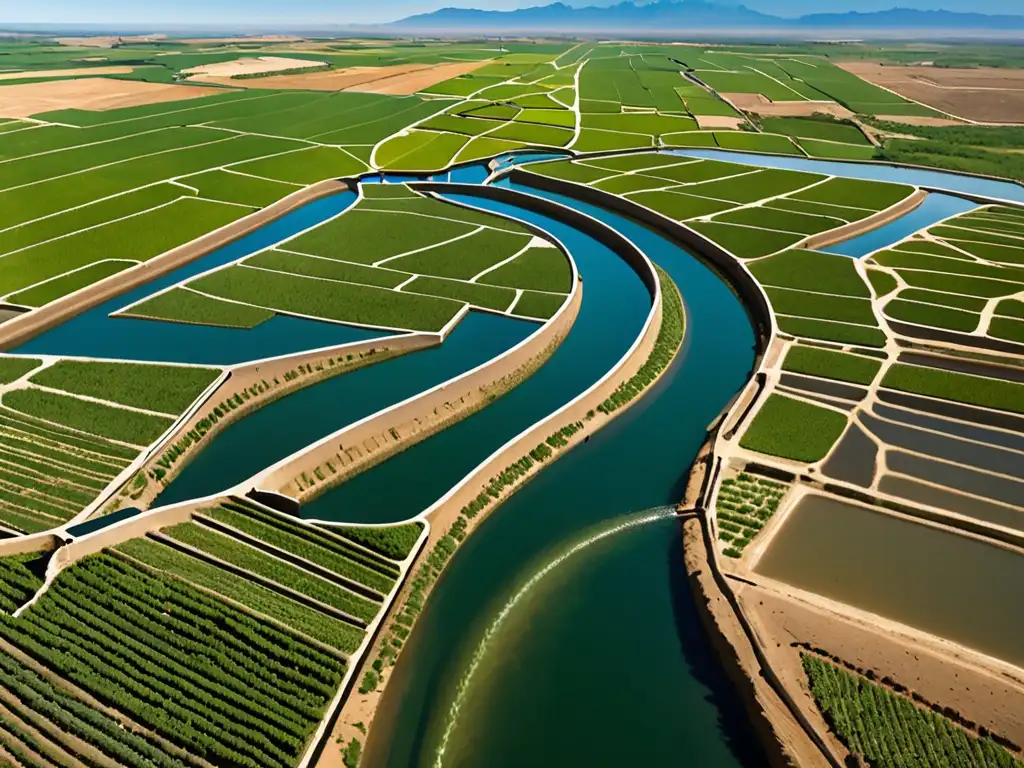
(538, 305)
(831, 365)
(185, 306)
(95, 418)
(960, 387)
(793, 429)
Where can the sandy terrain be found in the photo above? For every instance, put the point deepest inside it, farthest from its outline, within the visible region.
(94, 93)
(762, 105)
(251, 66)
(81, 71)
(982, 95)
(993, 700)
(105, 41)
(399, 80)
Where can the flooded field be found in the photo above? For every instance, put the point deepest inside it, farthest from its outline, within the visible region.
(930, 579)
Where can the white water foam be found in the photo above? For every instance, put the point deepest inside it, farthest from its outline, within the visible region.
(634, 521)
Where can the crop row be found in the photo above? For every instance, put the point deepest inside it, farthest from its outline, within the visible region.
(237, 553)
(393, 541)
(323, 537)
(19, 579)
(56, 433)
(131, 650)
(310, 622)
(889, 730)
(670, 336)
(95, 418)
(742, 507)
(295, 543)
(168, 388)
(63, 714)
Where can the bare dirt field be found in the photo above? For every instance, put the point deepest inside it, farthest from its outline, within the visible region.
(762, 105)
(719, 121)
(94, 93)
(399, 80)
(985, 95)
(403, 85)
(224, 70)
(79, 72)
(988, 697)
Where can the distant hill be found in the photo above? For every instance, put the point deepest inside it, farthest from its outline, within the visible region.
(668, 16)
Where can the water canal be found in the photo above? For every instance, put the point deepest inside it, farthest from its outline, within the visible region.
(563, 633)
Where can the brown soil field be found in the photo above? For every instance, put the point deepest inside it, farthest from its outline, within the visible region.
(985, 95)
(989, 697)
(762, 105)
(224, 70)
(80, 71)
(719, 121)
(94, 93)
(404, 85)
(399, 80)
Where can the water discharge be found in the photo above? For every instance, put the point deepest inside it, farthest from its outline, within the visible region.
(605, 531)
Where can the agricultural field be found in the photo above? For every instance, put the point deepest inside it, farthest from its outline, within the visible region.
(396, 259)
(197, 642)
(71, 428)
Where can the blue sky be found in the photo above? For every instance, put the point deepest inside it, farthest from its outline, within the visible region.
(340, 12)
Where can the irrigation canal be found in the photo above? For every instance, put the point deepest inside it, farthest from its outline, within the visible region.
(563, 631)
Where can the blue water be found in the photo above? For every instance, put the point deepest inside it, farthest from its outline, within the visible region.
(276, 431)
(935, 208)
(949, 181)
(96, 334)
(615, 307)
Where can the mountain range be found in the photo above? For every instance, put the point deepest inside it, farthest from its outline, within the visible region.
(667, 16)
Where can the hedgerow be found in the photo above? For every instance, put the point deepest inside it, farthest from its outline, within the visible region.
(670, 336)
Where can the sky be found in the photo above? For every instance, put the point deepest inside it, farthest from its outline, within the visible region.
(342, 12)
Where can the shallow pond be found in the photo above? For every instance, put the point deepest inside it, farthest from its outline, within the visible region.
(936, 581)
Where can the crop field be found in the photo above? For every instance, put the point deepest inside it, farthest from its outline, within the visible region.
(831, 365)
(954, 269)
(743, 505)
(394, 260)
(794, 429)
(71, 427)
(889, 729)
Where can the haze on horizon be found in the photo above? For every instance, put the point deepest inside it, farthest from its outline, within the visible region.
(267, 13)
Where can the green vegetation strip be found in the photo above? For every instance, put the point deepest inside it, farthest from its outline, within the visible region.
(670, 336)
(13, 368)
(20, 577)
(95, 418)
(185, 306)
(337, 561)
(960, 387)
(831, 365)
(811, 271)
(312, 623)
(237, 553)
(392, 541)
(794, 429)
(889, 730)
(167, 388)
(928, 314)
(825, 307)
(743, 505)
(844, 333)
(342, 302)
